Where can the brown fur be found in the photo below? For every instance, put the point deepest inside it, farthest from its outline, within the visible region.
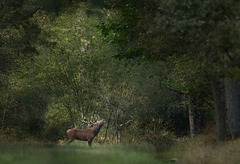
(85, 134)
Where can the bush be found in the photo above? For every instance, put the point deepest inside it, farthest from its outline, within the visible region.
(162, 142)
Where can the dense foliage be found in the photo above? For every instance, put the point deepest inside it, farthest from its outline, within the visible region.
(150, 68)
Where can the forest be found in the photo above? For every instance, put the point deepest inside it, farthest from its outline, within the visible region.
(163, 74)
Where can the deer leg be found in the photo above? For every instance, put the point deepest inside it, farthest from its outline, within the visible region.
(90, 143)
(69, 141)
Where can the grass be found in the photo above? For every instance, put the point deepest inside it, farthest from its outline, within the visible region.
(61, 154)
(222, 153)
(204, 150)
(201, 150)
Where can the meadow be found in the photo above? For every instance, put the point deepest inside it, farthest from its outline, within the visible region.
(200, 150)
(74, 154)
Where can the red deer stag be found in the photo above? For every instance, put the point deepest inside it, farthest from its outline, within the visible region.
(85, 134)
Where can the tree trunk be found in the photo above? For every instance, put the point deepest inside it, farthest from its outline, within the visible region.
(69, 112)
(233, 106)
(219, 96)
(118, 133)
(106, 132)
(2, 123)
(193, 115)
(220, 108)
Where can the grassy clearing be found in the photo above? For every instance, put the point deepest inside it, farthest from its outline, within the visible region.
(204, 150)
(57, 154)
(223, 153)
(200, 150)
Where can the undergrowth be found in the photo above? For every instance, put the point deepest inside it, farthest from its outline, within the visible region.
(203, 149)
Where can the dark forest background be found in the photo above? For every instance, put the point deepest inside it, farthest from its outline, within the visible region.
(155, 70)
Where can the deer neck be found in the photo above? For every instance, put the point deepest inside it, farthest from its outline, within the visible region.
(96, 129)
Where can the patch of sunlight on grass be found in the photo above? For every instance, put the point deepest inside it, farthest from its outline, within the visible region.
(58, 154)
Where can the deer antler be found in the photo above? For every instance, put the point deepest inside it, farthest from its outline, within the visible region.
(85, 122)
(91, 122)
(94, 123)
